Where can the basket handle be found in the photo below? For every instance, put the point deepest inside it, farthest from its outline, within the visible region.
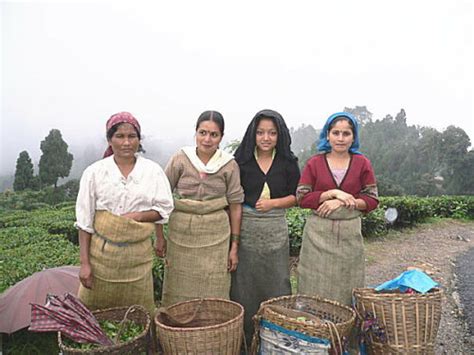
(176, 322)
(123, 322)
(333, 331)
(256, 338)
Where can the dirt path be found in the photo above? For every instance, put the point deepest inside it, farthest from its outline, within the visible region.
(435, 248)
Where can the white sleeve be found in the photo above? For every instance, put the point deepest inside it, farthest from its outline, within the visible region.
(163, 199)
(86, 202)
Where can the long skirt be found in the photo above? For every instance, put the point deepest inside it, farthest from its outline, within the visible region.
(263, 270)
(332, 260)
(121, 256)
(197, 252)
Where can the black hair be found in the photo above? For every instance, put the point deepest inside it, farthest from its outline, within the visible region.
(114, 128)
(213, 116)
(246, 149)
(341, 118)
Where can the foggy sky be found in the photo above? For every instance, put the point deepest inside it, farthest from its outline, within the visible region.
(71, 65)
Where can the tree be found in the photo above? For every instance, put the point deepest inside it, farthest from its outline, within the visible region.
(363, 115)
(303, 138)
(55, 162)
(456, 161)
(303, 142)
(429, 149)
(23, 173)
(387, 187)
(466, 181)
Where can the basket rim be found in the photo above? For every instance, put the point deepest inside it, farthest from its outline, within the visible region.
(115, 346)
(205, 328)
(370, 293)
(314, 298)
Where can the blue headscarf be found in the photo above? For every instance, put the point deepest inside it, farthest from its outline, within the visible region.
(324, 145)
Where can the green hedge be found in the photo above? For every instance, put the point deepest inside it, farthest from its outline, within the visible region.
(53, 220)
(296, 218)
(26, 250)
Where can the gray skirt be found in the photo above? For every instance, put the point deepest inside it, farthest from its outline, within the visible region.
(263, 270)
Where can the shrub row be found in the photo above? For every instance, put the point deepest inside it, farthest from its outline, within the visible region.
(54, 220)
(26, 250)
(32, 200)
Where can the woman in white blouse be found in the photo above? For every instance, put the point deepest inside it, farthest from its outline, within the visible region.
(120, 198)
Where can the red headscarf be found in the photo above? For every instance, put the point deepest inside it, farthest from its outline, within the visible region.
(121, 117)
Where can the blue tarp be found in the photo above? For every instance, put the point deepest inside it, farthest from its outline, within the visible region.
(414, 279)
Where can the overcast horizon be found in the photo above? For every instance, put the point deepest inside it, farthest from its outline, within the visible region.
(71, 65)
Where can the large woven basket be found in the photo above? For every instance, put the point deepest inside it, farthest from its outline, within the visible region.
(216, 327)
(336, 323)
(137, 314)
(406, 323)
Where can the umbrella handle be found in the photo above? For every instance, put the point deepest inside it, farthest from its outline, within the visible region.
(122, 323)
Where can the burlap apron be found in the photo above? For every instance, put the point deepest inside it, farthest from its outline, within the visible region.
(263, 270)
(332, 260)
(121, 256)
(197, 251)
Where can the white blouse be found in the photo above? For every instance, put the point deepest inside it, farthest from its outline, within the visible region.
(103, 187)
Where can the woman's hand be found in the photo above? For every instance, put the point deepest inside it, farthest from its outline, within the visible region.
(264, 205)
(160, 247)
(233, 260)
(160, 244)
(143, 216)
(136, 216)
(328, 207)
(85, 275)
(347, 199)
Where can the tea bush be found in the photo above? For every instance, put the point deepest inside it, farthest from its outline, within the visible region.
(53, 220)
(26, 250)
(296, 218)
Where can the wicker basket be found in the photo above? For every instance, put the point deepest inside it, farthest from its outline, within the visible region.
(336, 323)
(216, 327)
(138, 314)
(407, 323)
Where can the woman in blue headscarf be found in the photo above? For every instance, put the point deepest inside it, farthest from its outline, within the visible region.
(338, 184)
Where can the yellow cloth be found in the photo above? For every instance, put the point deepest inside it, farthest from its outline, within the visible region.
(265, 195)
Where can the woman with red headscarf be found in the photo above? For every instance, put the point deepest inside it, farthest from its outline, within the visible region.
(120, 198)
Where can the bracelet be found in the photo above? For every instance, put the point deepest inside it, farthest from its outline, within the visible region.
(235, 237)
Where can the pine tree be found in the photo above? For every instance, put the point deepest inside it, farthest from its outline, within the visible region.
(23, 173)
(55, 162)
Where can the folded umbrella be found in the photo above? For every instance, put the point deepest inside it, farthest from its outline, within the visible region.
(68, 315)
